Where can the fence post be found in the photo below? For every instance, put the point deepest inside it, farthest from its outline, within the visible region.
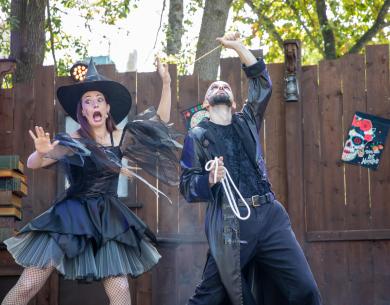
(294, 149)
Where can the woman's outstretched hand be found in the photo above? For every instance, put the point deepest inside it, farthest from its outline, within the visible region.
(164, 108)
(42, 142)
(163, 71)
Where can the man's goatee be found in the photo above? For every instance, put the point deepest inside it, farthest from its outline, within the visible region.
(220, 99)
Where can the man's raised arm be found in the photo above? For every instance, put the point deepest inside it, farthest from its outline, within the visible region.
(260, 85)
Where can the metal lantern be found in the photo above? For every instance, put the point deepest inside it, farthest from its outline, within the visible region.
(292, 66)
(291, 89)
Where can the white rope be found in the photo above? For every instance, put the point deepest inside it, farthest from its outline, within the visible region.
(226, 182)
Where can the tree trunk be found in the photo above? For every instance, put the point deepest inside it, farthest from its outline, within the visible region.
(213, 25)
(27, 36)
(327, 31)
(175, 26)
(378, 25)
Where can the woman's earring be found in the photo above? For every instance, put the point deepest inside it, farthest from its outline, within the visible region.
(106, 115)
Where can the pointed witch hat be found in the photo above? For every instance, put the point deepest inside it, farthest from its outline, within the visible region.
(116, 94)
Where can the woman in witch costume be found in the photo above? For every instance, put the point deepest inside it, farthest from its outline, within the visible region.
(89, 234)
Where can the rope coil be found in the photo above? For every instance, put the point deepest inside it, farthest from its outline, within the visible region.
(227, 181)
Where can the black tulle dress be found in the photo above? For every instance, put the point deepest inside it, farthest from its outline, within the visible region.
(90, 234)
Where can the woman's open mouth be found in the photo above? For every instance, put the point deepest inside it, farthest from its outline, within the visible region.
(97, 117)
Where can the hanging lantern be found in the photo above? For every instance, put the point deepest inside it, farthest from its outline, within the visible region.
(292, 66)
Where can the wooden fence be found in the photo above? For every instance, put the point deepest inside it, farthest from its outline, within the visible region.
(340, 213)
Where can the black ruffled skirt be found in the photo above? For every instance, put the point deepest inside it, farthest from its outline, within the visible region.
(86, 238)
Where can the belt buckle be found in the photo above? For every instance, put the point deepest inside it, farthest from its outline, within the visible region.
(255, 205)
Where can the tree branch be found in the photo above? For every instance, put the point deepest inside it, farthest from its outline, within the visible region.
(327, 31)
(159, 26)
(373, 30)
(268, 24)
(51, 36)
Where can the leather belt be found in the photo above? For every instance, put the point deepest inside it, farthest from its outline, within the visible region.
(257, 200)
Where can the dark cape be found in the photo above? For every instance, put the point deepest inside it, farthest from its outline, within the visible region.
(200, 146)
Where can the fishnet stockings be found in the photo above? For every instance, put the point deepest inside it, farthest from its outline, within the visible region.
(117, 289)
(32, 280)
(29, 283)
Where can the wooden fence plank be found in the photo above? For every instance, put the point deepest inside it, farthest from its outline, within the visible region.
(164, 275)
(148, 94)
(345, 235)
(331, 138)
(6, 120)
(312, 170)
(189, 269)
(381, 270)
(22, 143)
(44, 187)
(313, 184)
(44, 181)
(190, 218)
(293, 153)
(356, 177)
(274, 127)
(378, 103)
(360, 272)
(6, 110)
(129, 80)
(168, 215)
(331, 141)
(335, 268)
(315, 257)
(165, 284)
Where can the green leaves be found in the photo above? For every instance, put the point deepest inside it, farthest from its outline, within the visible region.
(68, 45)
(349, 20)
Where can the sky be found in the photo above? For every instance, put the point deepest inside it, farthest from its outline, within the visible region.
(138, 32)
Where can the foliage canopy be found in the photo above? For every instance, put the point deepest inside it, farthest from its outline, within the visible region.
(343, 26)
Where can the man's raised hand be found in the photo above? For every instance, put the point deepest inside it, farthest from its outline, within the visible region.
(230, 40)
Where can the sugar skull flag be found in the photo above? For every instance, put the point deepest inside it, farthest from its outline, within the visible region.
(365, 140)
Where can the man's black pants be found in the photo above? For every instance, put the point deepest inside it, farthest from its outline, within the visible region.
(267, 238)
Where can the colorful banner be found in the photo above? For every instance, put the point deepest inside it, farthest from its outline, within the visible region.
(192, 116)
(366, 140)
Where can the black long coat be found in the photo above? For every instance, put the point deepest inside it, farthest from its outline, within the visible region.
(200, 146)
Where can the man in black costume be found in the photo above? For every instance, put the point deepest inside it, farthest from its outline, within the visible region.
(246, 257)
